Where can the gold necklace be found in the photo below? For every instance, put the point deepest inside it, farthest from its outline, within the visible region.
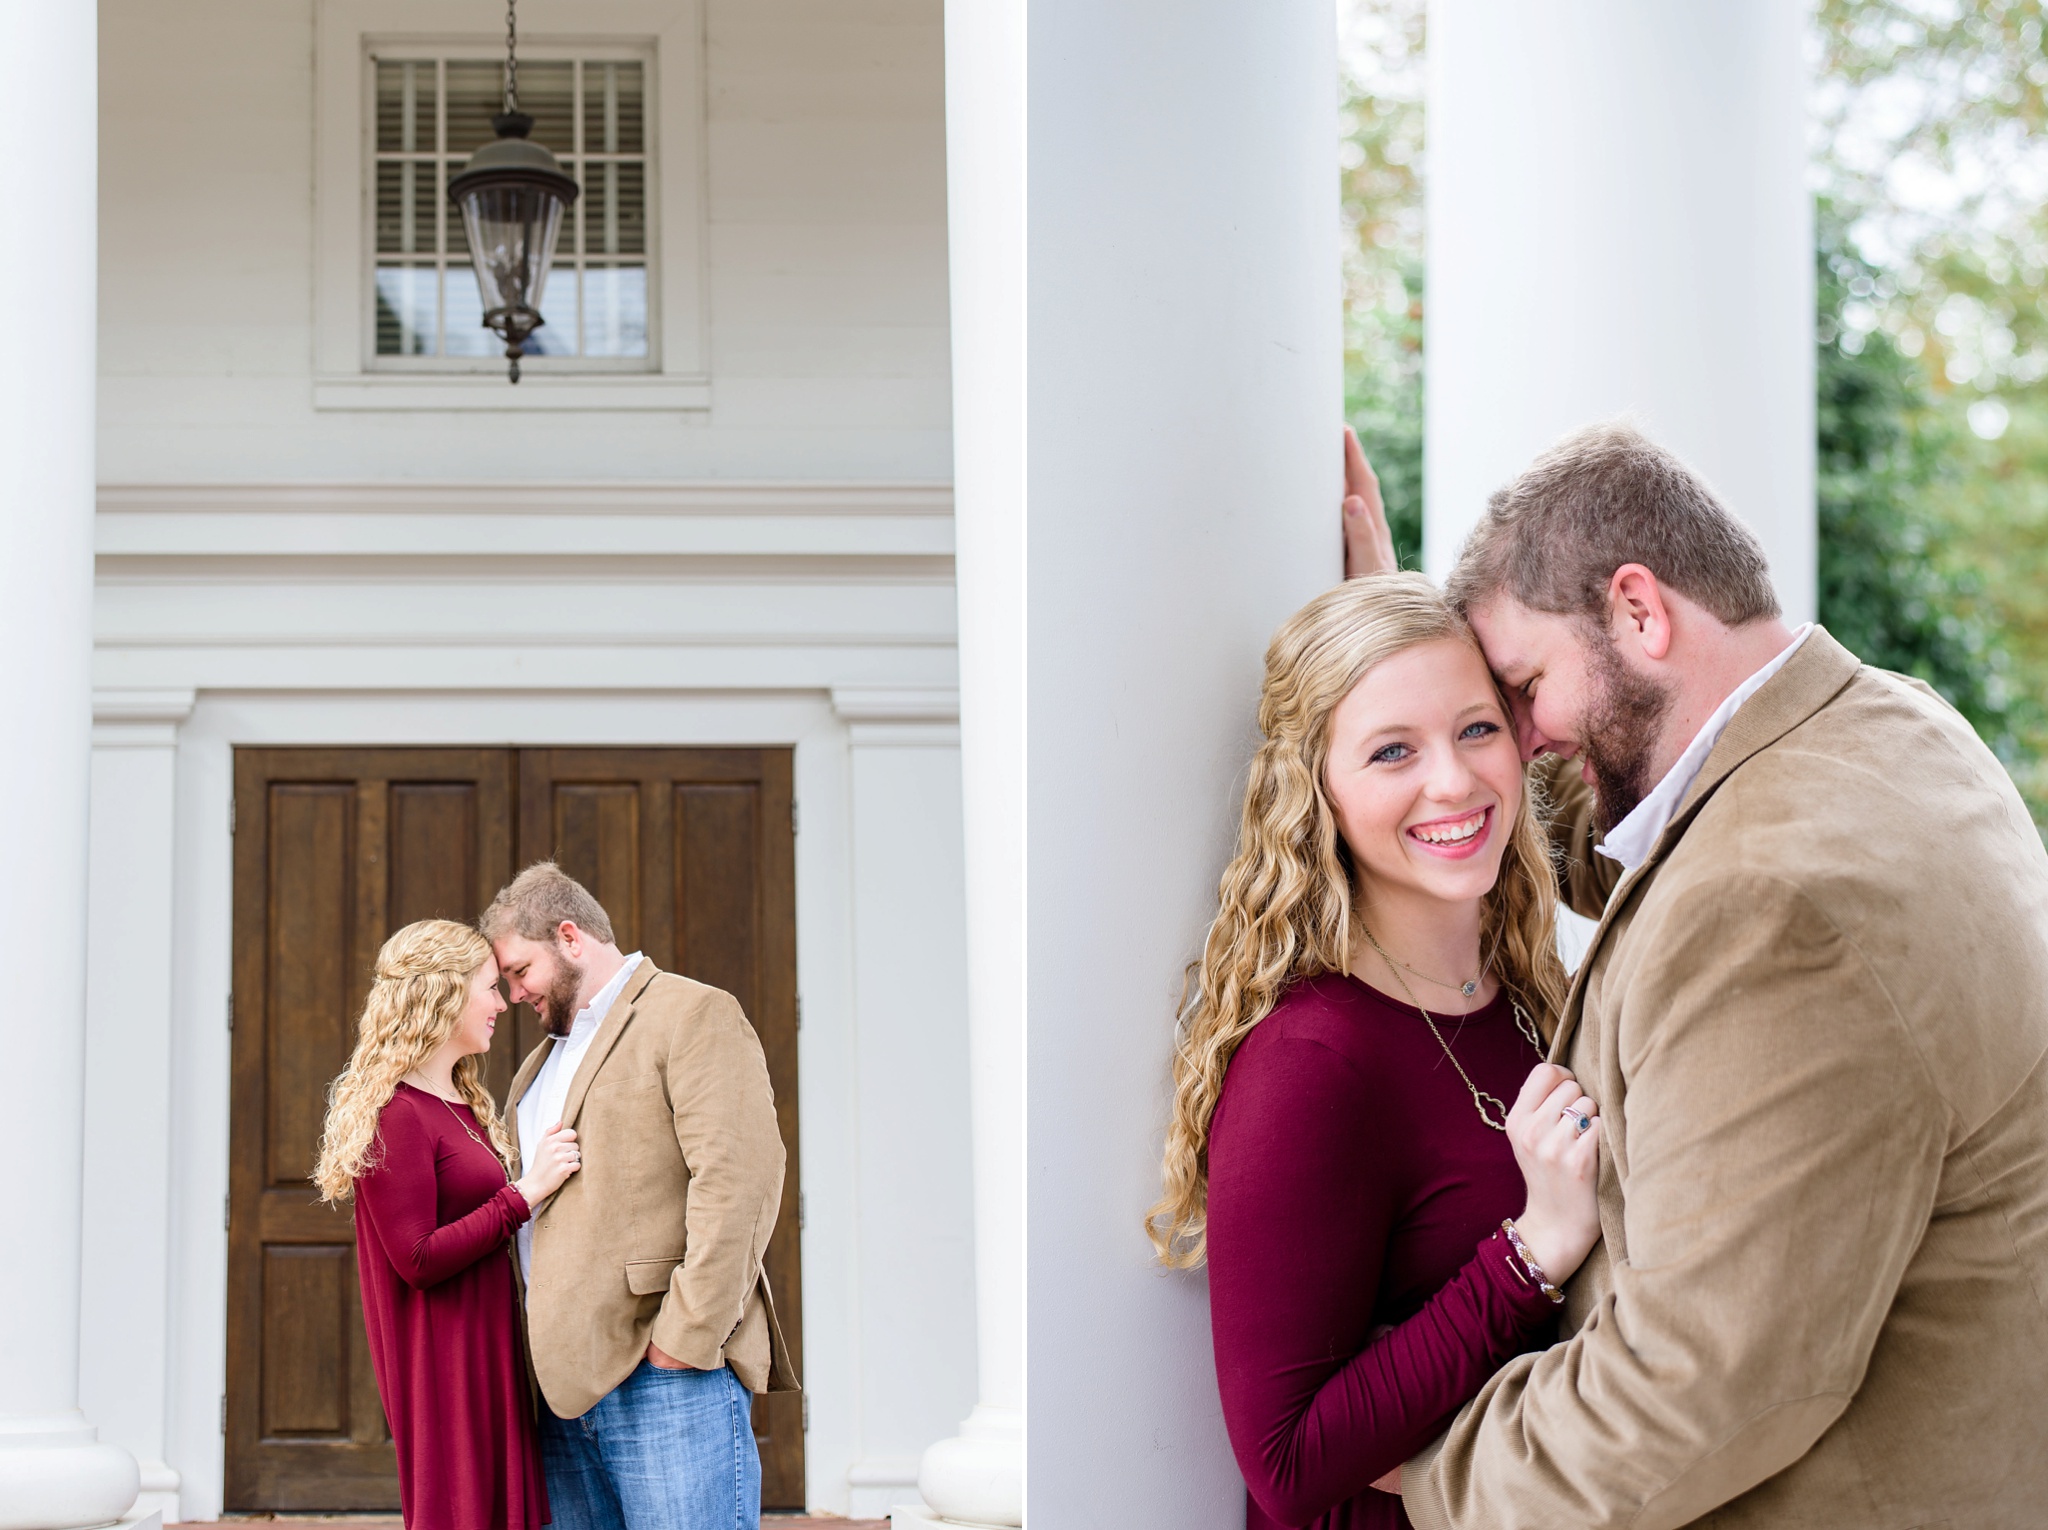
(1480, 1098)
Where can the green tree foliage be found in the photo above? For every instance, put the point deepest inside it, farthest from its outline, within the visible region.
(1889, 589)
(1380, 156)
(1933, 152)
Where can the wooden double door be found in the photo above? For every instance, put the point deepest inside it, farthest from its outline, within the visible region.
(691, 852)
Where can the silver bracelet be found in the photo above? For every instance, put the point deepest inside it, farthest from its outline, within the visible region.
(1529, 1263)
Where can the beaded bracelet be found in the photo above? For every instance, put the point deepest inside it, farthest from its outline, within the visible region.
(1529, 1263)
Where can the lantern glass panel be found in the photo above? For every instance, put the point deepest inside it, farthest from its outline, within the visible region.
(511, 230)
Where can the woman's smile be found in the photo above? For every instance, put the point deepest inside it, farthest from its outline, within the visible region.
(1453, 839)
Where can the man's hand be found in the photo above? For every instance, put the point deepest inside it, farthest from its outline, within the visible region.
(665, 1362)
(1368, 544)
(1391, 1483)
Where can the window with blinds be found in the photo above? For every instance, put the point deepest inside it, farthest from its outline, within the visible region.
(430, 114)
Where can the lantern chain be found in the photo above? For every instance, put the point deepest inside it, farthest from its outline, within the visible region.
(511, 56)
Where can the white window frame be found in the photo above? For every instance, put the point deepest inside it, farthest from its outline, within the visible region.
(411, 49)
(349, 34)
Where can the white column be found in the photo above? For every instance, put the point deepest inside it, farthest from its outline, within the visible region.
(124, 1291)
(52, 1471)
(977, 1476)
(1619, 223)
(1147, 395)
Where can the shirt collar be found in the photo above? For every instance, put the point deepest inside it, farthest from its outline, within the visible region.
(1631, 840)
(600, 1004)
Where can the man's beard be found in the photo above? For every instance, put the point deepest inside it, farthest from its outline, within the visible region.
(558, 1005)
(1619, 733)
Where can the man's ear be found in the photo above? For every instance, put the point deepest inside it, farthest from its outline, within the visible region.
(570, 938)
(1640, 618)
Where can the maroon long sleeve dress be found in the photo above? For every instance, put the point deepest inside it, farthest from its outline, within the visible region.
(434, 1218)
(1353, 1186)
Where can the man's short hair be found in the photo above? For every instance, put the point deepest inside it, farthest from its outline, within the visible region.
(1602, 497)
(534, 904)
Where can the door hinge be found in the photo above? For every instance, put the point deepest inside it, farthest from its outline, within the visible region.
(231, 813)
(223, 1413)
(227, 1213)
(799, 1011)
(799, 1211)
(792, 815)
(231, 1009)
(807, 1413)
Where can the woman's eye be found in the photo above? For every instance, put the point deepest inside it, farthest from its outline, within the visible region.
(1481, 730)
(1387, 754)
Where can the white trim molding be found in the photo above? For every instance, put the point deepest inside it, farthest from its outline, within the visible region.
(139, 719)
(881, 703)
(397, 391)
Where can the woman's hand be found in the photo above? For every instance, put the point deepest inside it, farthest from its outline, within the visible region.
(1561, 1165)
(1368, 543)
(554, 1161)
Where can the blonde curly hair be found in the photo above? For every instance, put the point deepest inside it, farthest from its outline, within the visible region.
(421, 988)
(1285, 901)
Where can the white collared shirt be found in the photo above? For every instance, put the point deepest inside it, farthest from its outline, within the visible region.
(541, 1106)
(1631, 840)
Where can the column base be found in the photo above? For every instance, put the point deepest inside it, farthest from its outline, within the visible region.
(974, 1479)
(55, 1474)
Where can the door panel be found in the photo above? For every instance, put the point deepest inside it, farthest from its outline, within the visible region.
(692, 854)
(334, 849)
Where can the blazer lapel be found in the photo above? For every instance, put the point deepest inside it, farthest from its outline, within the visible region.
(528, 1071)
(609, 1030)
(1810, 679)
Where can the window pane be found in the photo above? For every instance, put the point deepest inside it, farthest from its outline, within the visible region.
(615, 212)
(557, 334)
(615, 311)
(405, 106)
(547, 91)
(406, 196)
(466, 333)
(476, 93)
(613, 109)
(405, 310)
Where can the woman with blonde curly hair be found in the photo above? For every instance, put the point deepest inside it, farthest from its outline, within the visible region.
(413, 1136)
(1383, 1230)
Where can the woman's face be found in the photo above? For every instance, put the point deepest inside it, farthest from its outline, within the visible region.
(1424, 774)
(480, 1012)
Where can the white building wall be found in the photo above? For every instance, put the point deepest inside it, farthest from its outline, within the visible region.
(773, 568)
(825, 280)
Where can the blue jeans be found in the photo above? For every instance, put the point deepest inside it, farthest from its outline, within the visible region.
(664, 1450)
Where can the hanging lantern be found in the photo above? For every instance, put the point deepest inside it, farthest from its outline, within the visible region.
(512, 195)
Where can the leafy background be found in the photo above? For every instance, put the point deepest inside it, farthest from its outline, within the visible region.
(1930, 173)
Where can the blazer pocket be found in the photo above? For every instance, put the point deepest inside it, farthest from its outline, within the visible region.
(649, 1277)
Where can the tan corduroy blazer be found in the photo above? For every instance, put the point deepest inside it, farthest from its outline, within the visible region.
(660, 1235)
(1816, 1021)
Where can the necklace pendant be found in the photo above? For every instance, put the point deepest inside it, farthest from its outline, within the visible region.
(1482, 1099)
(1470, 988)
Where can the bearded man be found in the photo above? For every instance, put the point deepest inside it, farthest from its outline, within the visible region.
(649, 1320)
(1815, 1015)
